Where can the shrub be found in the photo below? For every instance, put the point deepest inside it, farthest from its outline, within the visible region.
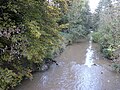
(96, 37)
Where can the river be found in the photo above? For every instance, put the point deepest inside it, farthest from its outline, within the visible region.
(81, 67)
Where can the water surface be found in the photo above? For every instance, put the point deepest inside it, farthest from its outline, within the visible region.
(81, 67)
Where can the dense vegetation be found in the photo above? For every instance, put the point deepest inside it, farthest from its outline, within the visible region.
(106, 24)
(33, 30)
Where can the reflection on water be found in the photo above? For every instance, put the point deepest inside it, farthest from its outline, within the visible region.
(89, 54)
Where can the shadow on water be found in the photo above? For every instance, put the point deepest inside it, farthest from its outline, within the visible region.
(80, 68)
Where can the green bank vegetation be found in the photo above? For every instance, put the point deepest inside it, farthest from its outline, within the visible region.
(33, 30)
(106, 24)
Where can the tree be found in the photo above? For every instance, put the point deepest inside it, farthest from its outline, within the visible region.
(28, 33)
(108, 26)
(79, 18)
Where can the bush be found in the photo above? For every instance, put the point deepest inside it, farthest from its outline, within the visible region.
(116, 67)
(30, 31)
(108, 53)
(96, 37)
(8, 79)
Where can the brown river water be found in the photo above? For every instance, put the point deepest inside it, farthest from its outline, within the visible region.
(81, 67)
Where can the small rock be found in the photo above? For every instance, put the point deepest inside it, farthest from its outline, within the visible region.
(95, 64)
(102, 72)
(44, 67)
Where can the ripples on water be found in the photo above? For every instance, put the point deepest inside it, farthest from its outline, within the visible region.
(75, 72)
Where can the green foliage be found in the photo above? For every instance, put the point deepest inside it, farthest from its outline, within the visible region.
(32, 30)
(108, 52)
(116, 67)
(96, 37)
(106, 23)
(67, 38)
(79, 19)
(28, 33)
(8, 78)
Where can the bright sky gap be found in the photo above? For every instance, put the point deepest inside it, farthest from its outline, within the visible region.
(93, 5)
